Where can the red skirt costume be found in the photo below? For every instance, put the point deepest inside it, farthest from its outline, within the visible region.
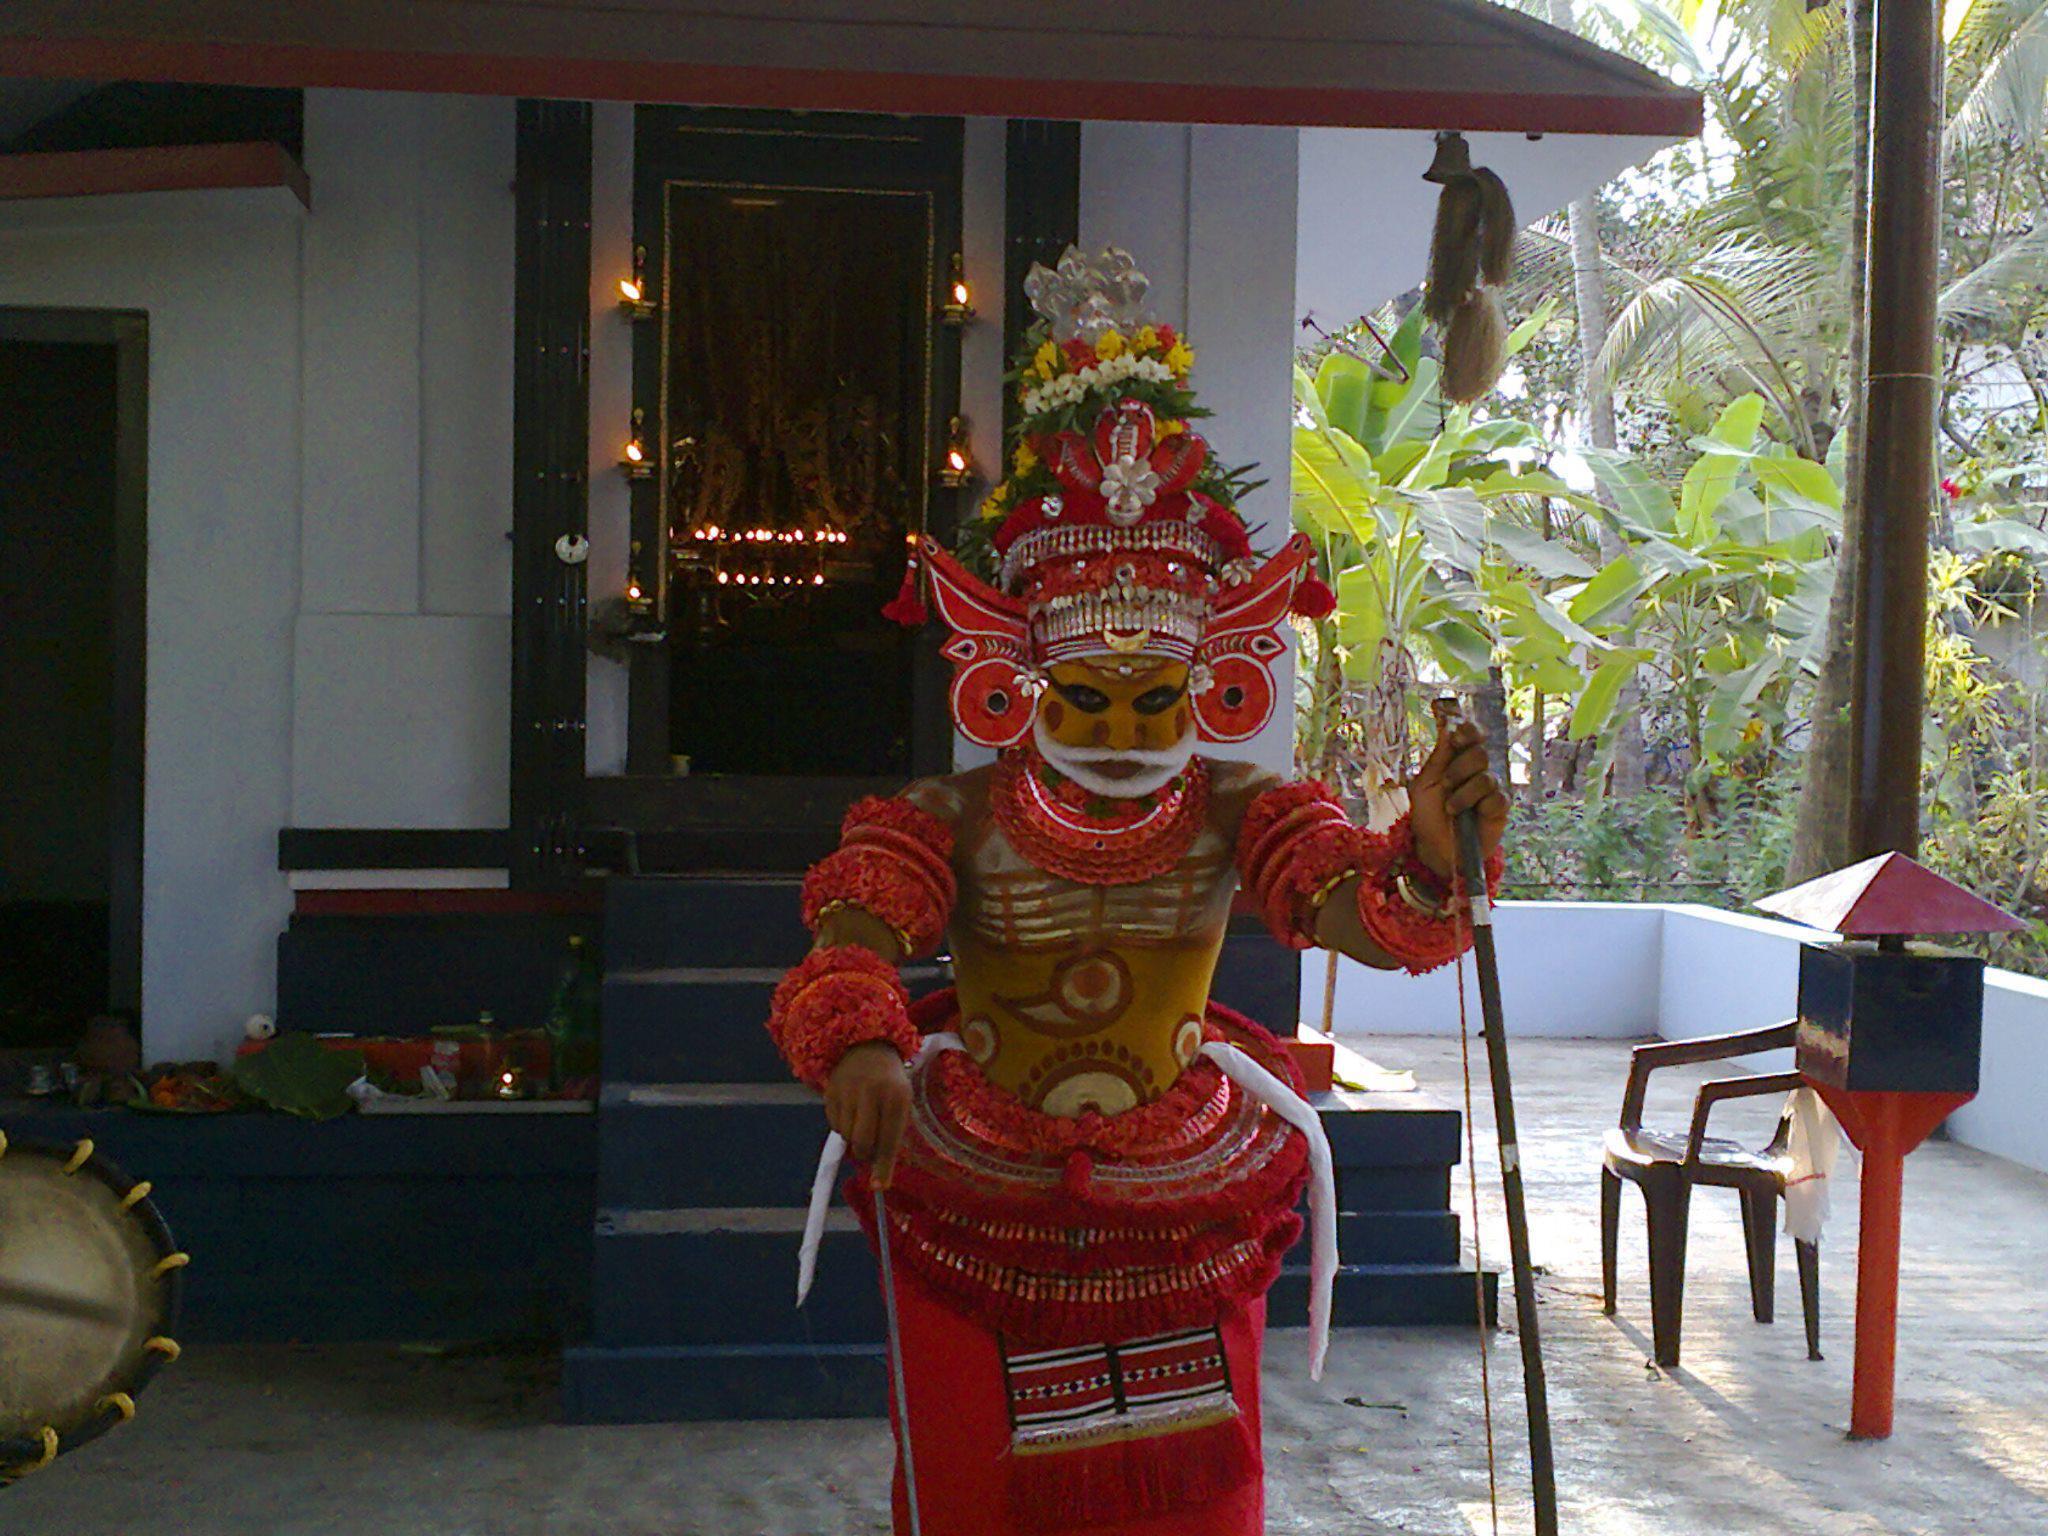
(1080, 1301)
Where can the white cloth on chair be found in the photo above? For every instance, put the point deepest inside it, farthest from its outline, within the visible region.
(1813, 1145)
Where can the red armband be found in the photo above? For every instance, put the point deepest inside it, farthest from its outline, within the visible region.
(894, 861)
(1295, 846)
(1408, 911)
(838, 997)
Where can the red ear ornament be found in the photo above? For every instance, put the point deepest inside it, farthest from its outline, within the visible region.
(1242, 646)
(991, 665)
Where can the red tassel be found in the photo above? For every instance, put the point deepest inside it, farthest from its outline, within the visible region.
(1156, 1476)
(1313, 599)
(906, 607)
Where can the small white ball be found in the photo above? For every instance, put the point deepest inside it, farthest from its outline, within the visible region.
(261, 1026)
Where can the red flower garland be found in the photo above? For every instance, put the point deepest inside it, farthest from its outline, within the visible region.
(1420, 940)
(836, 998)
(894, 861)
(1144, 838)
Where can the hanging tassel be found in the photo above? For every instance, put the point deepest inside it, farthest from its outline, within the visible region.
(1313, 599)
(1471, 255)
(1154, 1477)
(907, 607)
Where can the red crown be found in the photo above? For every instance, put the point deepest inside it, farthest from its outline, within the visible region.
(1126, 556)
(1122, 489)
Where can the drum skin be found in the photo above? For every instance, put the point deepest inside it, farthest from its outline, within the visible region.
(90, 1282)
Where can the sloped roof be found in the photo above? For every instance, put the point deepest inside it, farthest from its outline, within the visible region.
(1889, 893)
(1348, 63)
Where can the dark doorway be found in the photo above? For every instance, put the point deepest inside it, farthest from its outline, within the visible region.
(802, 385)
(72, 388)
(797, 414)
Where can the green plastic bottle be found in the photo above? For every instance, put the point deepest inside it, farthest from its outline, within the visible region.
(572, 1017)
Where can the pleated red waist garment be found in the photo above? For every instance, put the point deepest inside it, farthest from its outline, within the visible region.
(1080, 1302)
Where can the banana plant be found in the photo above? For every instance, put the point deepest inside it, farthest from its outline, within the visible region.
(1423, 519)
(1723, 588)
(1427, 524)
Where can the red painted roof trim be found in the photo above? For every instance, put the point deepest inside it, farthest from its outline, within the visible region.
(168, 168)
(1672, 112)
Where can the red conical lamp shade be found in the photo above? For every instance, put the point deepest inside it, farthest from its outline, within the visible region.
(1889, 894)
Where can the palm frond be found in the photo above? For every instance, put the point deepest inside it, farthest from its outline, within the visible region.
(1999, 73)
(2007, 285)
(1737, 310)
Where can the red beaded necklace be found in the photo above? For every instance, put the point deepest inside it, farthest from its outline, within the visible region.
(1092, 839)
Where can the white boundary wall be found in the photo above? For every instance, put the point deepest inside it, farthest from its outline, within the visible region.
(1620, 970)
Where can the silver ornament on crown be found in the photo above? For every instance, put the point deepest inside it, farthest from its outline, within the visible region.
(1085, 296)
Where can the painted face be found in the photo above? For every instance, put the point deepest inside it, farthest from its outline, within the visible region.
(1120, 726)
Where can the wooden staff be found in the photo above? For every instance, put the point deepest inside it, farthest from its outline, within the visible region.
(902, 1391)
(1472, 882)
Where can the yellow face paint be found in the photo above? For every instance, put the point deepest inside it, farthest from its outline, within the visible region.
(1118, 704)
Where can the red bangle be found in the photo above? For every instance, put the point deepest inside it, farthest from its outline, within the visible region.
(836, 998)
(1419, 939)
(1295, 845)
(894, 861)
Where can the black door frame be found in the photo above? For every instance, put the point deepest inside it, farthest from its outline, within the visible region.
(550, 488)
(127, 332)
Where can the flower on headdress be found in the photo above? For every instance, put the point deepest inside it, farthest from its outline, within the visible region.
(1147, 339)
(1129, 486)
(1108, 345)
(1023, 460)
(1180, 358)
(1046, 361)
(1080, 353)
(997, 502)
(1172, 428)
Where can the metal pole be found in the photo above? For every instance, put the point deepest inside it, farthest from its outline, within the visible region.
(1895, 488)
(1542, 1466)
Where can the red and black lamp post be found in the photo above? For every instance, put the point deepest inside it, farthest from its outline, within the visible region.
(1891, 1036)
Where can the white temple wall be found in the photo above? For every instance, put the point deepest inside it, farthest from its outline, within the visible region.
(1209, 213)
(218, 274)
(403, 641)
(330, 469)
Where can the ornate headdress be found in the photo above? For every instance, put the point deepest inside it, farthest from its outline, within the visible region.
(1115, 533)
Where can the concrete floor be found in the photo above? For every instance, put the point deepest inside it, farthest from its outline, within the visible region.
(1746, 1438)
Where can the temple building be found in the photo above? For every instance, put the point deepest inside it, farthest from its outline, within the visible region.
(451, 495)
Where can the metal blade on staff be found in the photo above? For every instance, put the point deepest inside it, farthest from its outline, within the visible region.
(1472, 883)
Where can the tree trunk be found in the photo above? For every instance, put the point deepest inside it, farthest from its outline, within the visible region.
(1596, 405)
(1820, 836)
(1536, 746)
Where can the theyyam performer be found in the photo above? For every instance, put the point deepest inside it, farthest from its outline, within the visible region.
(1089, 1171)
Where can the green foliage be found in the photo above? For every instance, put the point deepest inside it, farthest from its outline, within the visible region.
(1695, 579)
(298, 1075)
(1445, 551)
(1638, 848)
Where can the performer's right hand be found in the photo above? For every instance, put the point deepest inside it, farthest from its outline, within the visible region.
(867, 1100)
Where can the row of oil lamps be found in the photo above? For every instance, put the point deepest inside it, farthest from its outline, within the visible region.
(955, 471)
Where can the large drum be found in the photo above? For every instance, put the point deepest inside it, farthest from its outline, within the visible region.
(89, 1289)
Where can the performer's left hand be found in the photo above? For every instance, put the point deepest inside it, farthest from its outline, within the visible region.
(1455, 777)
